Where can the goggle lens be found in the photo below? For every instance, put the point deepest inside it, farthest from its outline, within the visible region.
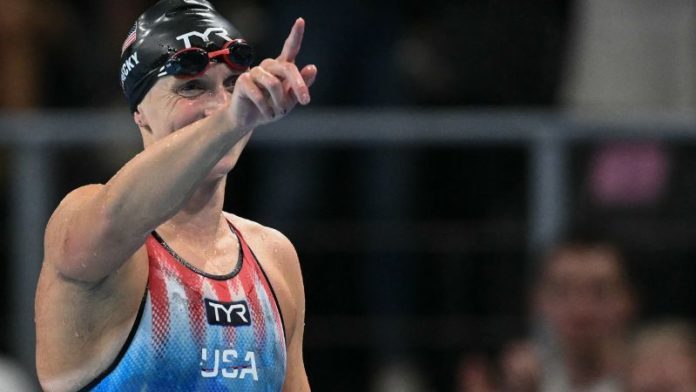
(191, 62)
(242, 55)
(188, 62)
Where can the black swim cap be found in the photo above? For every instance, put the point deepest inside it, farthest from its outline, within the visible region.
(168, 26)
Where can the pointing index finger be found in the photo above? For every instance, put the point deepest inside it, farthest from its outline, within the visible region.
(293, 43)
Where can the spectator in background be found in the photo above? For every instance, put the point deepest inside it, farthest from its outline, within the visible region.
(663, 359)
(474, 374)
(584, 296)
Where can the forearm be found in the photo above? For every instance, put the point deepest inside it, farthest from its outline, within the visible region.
(97, 228)
(155, 184)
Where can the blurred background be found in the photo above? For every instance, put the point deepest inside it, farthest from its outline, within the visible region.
(485, 194)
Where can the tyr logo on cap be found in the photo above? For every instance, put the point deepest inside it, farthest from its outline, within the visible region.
(219, 31)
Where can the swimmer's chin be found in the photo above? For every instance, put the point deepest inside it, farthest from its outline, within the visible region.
(224, 167)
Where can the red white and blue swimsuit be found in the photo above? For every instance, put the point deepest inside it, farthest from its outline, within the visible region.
(201, 332)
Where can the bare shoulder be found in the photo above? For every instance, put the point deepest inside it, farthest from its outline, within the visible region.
(267, 241)
(77, 196)
(70, 203)
(57, 240)
(86, 241)
(277, 256)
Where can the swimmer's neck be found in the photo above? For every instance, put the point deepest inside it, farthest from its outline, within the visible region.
(201, 217)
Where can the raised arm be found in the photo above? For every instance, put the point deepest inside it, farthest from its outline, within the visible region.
(98, 227)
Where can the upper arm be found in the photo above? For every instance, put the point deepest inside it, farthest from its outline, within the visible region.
(80, 241)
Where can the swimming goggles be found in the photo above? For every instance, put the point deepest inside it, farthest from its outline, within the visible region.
(193, 62)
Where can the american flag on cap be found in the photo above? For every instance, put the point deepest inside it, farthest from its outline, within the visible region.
(129, 39)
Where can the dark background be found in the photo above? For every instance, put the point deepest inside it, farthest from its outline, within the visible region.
(418, 253)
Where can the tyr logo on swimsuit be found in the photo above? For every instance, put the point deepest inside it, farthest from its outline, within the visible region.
(227, 313)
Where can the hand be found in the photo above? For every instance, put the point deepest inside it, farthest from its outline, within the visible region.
(271, 90)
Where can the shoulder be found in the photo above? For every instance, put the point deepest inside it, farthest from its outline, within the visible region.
(261, 238)
(275, 253)
(71, 206)
(77, 196)
(75, 200)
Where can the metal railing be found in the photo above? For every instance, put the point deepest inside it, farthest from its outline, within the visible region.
(32, 137)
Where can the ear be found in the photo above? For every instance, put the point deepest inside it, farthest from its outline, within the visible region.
(144, 127)
(140, 119)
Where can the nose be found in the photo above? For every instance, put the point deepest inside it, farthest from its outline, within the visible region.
(216, 99)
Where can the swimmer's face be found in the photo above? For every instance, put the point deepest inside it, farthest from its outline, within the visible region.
(585, 297)
(173, 103)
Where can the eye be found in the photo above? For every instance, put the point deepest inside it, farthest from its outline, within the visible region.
(190, 89)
